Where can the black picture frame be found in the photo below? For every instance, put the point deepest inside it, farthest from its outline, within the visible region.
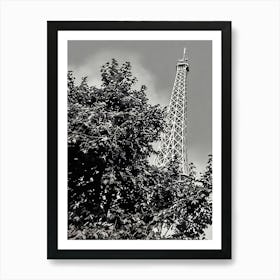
(52, 87)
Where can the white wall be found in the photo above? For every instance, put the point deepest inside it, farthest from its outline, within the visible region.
(255, 140)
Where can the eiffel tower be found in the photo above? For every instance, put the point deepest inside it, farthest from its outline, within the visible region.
(174, 139)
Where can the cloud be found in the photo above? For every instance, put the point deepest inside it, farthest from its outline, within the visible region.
(92, 67)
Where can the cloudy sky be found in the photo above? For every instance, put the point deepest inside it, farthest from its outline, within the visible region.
(154, 65)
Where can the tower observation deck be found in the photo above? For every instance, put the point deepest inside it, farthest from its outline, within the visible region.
(174, 139)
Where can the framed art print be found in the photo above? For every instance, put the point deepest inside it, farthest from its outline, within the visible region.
(139, 140)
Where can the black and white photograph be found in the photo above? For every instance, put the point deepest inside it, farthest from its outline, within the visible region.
(139, 140)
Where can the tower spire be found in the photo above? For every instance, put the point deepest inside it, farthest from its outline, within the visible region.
(184, 55)
(184, 58)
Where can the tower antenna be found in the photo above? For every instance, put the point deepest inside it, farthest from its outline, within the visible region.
(184, 55)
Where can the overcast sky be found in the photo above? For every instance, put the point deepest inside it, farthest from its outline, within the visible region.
(154, 65)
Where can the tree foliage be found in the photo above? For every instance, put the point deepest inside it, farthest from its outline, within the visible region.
(113, 190)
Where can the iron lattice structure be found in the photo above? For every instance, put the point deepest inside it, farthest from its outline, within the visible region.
(174, 139)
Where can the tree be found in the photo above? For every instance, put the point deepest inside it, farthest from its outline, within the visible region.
(110, 136)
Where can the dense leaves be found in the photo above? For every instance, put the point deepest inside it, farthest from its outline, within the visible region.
(113, 190)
